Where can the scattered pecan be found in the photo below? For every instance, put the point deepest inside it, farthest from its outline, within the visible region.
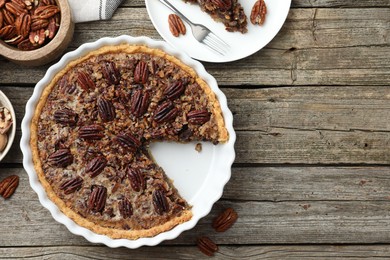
(207, 246)
(61, 158)
(137, 179)
(96, 166)
(65, 116)
(125, 208)
(97, 199)
(8, 186)
(160, 202)
(225, 220)
(259, 10)
(106, 109)
(174, 90)
(198, 117)
(141, 72)
(128, 141)
(72, 185)
(110, 72)
(165, 112)
(139, 102)
(222, 4)
(91, 132)
(85, 81)
(176, 25)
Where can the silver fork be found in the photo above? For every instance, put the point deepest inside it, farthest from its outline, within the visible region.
(201, 33)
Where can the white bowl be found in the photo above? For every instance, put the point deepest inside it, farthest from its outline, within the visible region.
(199, 181)
(4, 102)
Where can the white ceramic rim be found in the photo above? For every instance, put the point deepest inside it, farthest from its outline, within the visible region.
(11, 133)
(221, 165)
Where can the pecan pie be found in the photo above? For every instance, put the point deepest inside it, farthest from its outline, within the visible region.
(91, 131)
(229, 12)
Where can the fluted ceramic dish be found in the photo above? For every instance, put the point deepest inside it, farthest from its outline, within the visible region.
(199, 177)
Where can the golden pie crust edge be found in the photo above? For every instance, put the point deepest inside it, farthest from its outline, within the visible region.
(112, 232)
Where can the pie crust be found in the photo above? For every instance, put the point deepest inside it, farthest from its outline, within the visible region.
(87, 204)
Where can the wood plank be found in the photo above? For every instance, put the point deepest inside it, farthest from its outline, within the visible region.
(326, 125)
(302, 3)
(293, 183)
(192, 252)
(323, 47)
(289, 205)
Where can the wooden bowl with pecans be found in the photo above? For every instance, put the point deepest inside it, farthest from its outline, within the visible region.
(34, 32)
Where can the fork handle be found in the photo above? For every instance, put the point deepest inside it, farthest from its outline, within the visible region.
(170, 6)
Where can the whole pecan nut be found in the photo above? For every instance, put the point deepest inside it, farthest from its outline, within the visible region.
(85, 81)
(8, 18)
(125, 208)
(136, 178)
(128, 141)
(96, 166)
(198, 117)
(165, 112)
(259, 10)
(97, 199)
(72, 185)
(106, 110)
(110, 72)
(91, 132)
(8, 186)
(61, 158)
(46, 11)
(139, 102)
(65, 116)
(23, 24)
(225, 220)
(222, 4)
(15, 9)
(141, 73)
(176, 25)
(174, 90)
(38, 23)
(206, 246)
(160, 202)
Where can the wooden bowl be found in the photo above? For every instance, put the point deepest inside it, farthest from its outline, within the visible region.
(51, 50)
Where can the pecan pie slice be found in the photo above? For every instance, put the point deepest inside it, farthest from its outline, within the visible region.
(91, 132)
(229, 12)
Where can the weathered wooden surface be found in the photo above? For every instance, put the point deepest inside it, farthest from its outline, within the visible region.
(311, 112)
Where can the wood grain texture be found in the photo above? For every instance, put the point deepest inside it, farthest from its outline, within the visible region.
(307, 125)
(191, 252)
(315, 47)
(275, 205)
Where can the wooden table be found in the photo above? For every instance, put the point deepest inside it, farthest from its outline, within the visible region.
(312, 115)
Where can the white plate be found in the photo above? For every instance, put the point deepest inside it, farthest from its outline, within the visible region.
(242, 45)
(4, 102)
(199, 177)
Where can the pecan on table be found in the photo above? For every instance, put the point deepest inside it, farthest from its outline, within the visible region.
(259, 10)
(225, 220)
(176, 25)
(207, 246)
(8, 186)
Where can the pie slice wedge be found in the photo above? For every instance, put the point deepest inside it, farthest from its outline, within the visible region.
(229, 12)
(91, 131)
